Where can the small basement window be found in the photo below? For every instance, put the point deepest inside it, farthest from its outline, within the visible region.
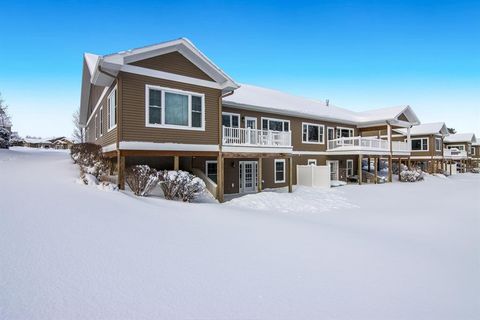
(279, 170)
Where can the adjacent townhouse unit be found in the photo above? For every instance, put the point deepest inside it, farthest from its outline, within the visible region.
(475, 151)
(426, 145)
(169, 106)
(459, 148)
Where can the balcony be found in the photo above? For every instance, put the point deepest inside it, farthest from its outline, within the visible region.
(454, 153)
(246, 137)
(366, 145)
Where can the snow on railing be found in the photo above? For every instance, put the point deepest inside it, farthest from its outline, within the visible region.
(358, 143)
(454, 153)
(256, 137)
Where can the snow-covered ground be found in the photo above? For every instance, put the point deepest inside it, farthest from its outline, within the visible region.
(391, 251)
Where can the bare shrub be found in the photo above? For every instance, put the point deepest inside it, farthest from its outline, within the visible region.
(90, 158)
(411, 175)
(141, 179)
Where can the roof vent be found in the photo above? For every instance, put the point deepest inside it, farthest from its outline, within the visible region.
(327, 102)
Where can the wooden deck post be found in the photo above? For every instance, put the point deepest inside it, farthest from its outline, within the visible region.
(176, 163)
(368, 164)
(121, 171)
(390, 164)
(359, 169)
(290, 174)
(399, 167)
(375, 169)
(450, 167)
(409, 163)
(220, 182)
(260, 174)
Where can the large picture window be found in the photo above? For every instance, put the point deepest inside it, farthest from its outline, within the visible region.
(344, 132)
(312, 133)
(172, 108)
(275, 124)
(420, 144)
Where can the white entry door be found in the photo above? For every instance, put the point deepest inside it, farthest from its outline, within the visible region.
(248, 176)
(333, 164)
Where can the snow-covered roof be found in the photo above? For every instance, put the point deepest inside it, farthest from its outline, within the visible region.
(460, 137)
(112, 64)
(37, 140)
(426, 129)
(269, 100)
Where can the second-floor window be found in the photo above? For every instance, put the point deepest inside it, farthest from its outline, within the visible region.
(175, 109)
(438, 144)
(101, 121)
(275, 124)
(312, 133)
(231, 120)
(420, 144)
(112, 109)
(344, 132)
(457, 146)
(472, 150)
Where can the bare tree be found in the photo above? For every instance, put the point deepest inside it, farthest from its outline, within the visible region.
(78, 131)
(451, 130)
(4, 117)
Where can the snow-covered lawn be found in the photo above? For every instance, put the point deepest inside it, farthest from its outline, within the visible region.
(391, 251)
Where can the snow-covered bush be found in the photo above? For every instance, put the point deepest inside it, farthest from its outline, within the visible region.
(91, 180)
(4, 138)
(90, 159)
(141, 179)
(180, 185)
(411, 175)
(475, 170)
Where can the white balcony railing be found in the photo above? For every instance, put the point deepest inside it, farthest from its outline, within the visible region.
(256, 137)
(454, 153)
(400, 146)
(358, 143)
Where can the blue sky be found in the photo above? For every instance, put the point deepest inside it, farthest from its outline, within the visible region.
(358, 54)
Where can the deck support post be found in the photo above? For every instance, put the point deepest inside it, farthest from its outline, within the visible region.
(220, 182)
(450, 167)
(290, 174)
(359, 169)
(375, 169)
(176, 163)
(409, 163)
(368, 164)
(399, 168)
(260, 174)
(390, 172)
(121, 171)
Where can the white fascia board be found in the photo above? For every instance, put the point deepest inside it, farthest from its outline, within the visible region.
(156, 146)
(352, 152)
(252, 149)
(110, 147)
(313, 153)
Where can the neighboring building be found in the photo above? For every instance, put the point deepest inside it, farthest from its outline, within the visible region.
(426, 145)
(61, 143)
(169, 106)
(37, 143)
(458, 148)
(475, 151)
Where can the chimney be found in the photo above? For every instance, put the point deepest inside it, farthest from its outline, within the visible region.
(327, 102)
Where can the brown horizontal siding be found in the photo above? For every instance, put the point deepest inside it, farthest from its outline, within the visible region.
(133, 113)
(173, 62)
(295, 127)
(108, 137)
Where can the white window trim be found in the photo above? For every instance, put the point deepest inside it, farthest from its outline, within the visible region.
(345, 128)
(251, 118)
(207, 162)
(275, 171)
(233, 114)
(275, 119)
(311, 160)
(438, 139)
(101, 121)
(95, 122)
(349, 161)
(110, 128)
(322, 141)
(420, 138)
(175, 91)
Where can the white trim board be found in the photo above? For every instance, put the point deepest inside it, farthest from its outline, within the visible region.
(110, 147)
(156, 146)
(252, 149)
(99, 102)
